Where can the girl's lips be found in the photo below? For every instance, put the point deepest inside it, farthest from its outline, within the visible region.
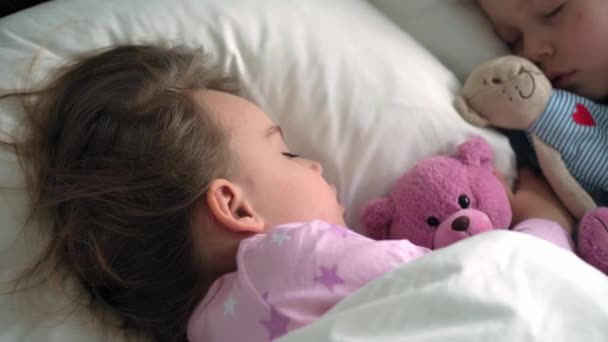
(337, 197)
(562, 79)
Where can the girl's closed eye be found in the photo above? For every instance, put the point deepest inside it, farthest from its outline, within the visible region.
(290, 155)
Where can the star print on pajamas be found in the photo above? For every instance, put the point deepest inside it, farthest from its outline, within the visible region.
(276, 325)
(279, 237)
(329, 277)
(229, 305)
(290, 276)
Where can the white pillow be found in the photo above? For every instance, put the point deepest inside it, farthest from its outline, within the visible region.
(350, 89)
(455, 31)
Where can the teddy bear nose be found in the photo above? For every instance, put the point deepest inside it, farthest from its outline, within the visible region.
(460, 224)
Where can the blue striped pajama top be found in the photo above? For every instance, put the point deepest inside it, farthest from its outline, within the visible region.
(578, 128)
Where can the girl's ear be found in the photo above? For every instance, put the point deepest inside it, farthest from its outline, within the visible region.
(230, 207)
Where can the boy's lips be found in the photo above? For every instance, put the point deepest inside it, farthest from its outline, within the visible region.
(561, 79)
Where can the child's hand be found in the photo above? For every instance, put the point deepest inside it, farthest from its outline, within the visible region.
(534, 198)
(506, 185)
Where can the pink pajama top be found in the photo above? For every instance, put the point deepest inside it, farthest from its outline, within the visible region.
(291, 276)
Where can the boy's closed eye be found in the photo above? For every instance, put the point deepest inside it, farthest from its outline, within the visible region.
(554, 10)
(290, 155)
(551, 12)
(515, 44)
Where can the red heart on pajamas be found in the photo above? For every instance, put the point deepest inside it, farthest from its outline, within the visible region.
(582, 116)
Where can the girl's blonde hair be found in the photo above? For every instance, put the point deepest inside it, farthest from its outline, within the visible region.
(117, 153)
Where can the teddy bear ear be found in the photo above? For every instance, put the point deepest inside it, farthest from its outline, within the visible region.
(377, 217)
(469, 114)
(475, 152)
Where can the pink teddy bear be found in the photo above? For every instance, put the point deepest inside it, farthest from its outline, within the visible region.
(444, 199)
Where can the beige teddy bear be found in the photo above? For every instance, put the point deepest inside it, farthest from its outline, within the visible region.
(569, 133)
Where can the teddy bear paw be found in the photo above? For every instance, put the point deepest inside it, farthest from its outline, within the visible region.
(593, 238)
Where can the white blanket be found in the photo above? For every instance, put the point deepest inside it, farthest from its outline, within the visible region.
(499, 286)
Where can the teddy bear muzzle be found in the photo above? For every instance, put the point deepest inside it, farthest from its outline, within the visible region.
(513, 83)
(460, 225)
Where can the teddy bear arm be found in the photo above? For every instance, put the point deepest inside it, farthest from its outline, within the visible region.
(567, 188)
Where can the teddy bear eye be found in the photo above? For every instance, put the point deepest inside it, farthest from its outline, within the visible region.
(432, 221)
(464, 201)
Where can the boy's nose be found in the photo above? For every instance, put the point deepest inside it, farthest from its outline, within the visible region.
(538, 51)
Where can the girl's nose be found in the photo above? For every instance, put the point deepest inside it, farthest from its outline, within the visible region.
(315, 165)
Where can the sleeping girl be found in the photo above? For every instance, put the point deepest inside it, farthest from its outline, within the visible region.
(179, 207)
